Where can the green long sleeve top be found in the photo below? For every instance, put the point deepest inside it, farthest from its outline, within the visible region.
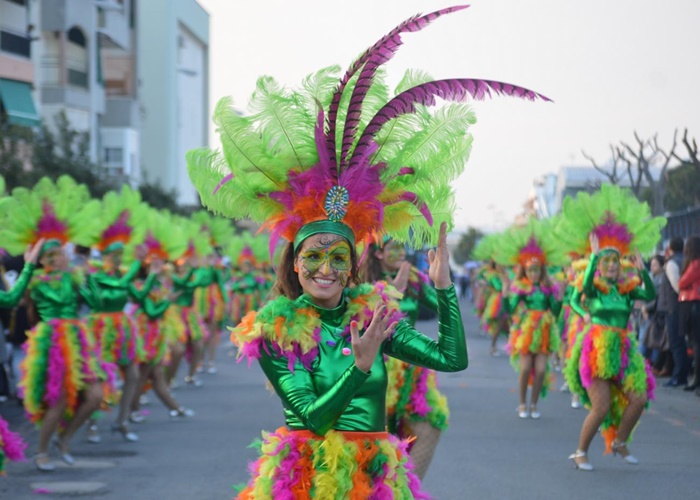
(113, 290)
(56, 295)
(11, 297)
(335, 394)
(155, 302)
(187, 284)
(496, 283)
(217, 275)
(537, 299)
(246, 284)
(610, 308)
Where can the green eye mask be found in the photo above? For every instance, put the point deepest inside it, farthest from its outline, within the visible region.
(336, 255)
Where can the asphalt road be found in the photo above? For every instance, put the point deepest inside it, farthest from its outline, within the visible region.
(487, 453)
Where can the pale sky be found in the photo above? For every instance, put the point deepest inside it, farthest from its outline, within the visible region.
(611, 67)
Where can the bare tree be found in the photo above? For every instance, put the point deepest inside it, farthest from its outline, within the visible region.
(646, 155)
(692, 149)
(637, 162)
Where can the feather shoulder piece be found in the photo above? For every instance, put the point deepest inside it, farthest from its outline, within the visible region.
(292, 328)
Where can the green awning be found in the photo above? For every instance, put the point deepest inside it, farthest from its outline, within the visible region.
(18, 103)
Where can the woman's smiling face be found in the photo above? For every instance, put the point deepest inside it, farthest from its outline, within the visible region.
(324, 265)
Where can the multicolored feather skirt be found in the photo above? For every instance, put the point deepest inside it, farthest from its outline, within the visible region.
(61, 358)
(242, 304)
(413, 396)
(609, 353)
(117, 336)
(153, 333)
(297, 465)
(194, 327)
(210, 304)
(492, 319)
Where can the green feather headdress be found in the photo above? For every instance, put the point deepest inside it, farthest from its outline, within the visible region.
(162, 238)
(217, 229)
(123, 220)
(61, 211)
(534, 241)
(620, 221)
(342, 155)
(485, 247)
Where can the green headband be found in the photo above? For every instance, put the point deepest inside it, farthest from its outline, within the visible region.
(324, 226)
(117, 245)
(48, 245)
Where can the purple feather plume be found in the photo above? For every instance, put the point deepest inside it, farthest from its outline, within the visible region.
(456, 89)
(381, 52)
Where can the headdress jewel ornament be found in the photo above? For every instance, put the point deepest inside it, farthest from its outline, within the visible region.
(341, 156)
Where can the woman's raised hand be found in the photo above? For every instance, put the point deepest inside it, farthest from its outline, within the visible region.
(439, 260)
(366, 348)
(400, 281)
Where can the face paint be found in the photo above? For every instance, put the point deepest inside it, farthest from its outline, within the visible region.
(334, 256)
(324, 268)
(609, 264)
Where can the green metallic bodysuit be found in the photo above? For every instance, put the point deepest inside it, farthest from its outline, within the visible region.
(10, 298)
(335, 394)
(613, 308)
(187, 285)
(56, 295)
(536, 300)
(113, 291)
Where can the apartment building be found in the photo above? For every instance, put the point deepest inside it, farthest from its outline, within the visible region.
(18, 21)
(134, 74)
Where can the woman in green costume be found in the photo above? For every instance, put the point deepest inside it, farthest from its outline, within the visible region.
(376, 166)
(415, 407)
(606, 369)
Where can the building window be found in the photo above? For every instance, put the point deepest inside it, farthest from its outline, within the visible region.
(15, 44)
(77, 58)
(76, 36)
(113, 156)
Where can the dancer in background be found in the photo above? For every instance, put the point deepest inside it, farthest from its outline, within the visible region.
(61, 375)
(415, 407)
(122, 222)
(534, 336)
(606, 368)
(162, 243)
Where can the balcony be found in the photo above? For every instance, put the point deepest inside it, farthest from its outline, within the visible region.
(15, 43)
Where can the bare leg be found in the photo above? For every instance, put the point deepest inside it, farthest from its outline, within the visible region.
(631, 415)
(599, 394)
(540, 370)
(144, 374)
(160, 387)
(212, 342)
(197, 351)
(177, 351)
(524, 377)
(52, 418)
(92, 397)
(131, 380)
